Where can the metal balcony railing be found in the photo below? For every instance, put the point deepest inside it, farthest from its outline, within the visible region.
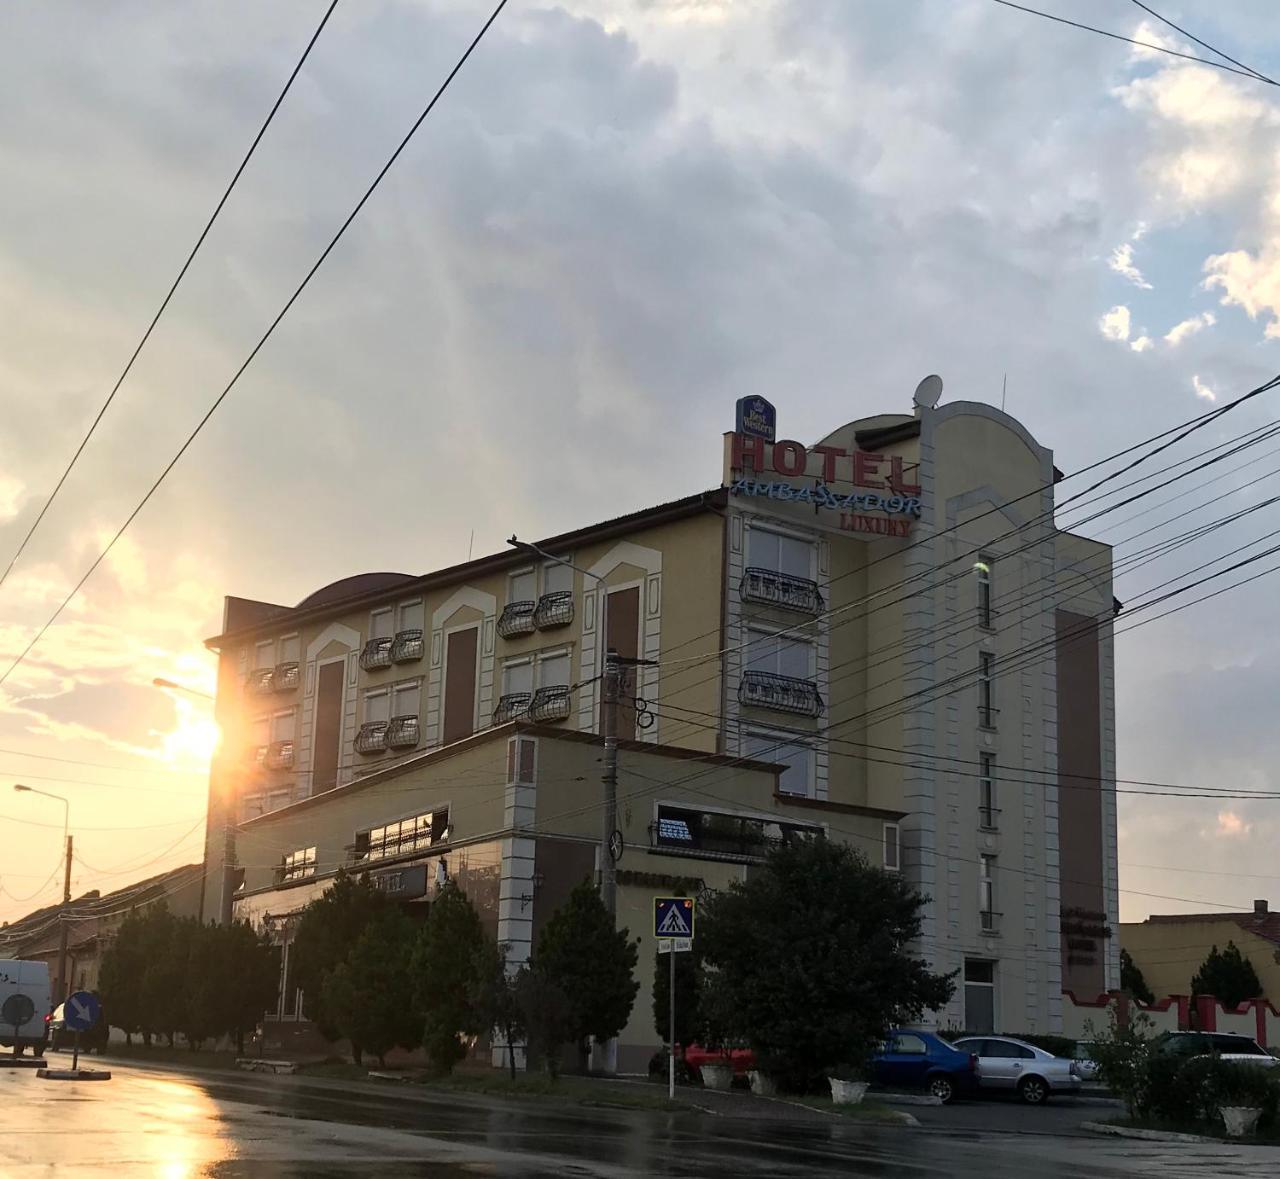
(550, 704)
(510, 706)
(279, 755)
(402, 732)
(407, 646)
(258, 754)
(516, 619)
(372, 737)
(781, 693)
(376, 654)
(259, 682)
(285, 677)
(768, 587)
(552, 610)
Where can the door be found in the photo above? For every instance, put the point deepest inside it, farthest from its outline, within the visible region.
(1000, 1063)
(327, 750)
(460, 684)
(623, 635)
(906, 1061)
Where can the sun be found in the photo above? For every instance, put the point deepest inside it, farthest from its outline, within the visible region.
(193, 740)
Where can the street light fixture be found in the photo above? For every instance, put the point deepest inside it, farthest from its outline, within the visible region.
(174, 686)
(62, 989)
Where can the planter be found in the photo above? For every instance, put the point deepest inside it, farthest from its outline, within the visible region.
(716, 1076)
(847, 1092)
(1240, 1119)
(761, 1085)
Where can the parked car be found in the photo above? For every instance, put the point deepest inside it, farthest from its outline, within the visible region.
(25, 996)
(1031, 1072)
(910, 1059)
(61, 1037)
(1228, 1045)
(742, 1059)
(1086, 1066)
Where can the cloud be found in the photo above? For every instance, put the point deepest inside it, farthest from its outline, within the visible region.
(1249, 281)
(1141, 344)
(1121, 262)
(1114, 325)
(12, 494)
(1203, 390)
(1231, 825)
(1189, 327)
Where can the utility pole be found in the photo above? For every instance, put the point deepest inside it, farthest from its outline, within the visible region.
(64, 928)
(228, 861)
(609, 730)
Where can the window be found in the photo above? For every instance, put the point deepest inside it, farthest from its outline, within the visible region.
(556, 579)
(779, 654)
(986, 698)
(892, 858)
(523, 586)
(716, 835)
(405, 699)
(983, 572)
(517, 677)
(987, 791)
(783, 554)
(905, 1044)
(553, 670)
(979, 995)
(298, 865)
(260, 732)
(289, 649)
(382, 624)
(377, 707)
(987, 893)
(797, 757)
(282, 726)
(264, 655)
(411, 616)
(415, 833)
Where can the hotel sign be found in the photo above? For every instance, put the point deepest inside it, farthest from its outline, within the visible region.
(881, 500)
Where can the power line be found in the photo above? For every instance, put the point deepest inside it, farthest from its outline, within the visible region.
(1062, 20)
(342, 229)
(1203, 44)
(48, 503)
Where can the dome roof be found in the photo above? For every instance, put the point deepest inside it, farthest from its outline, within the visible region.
(357, 586)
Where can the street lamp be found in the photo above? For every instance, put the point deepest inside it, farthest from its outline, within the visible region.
(62, 989)
(174, 686)
(608, 730)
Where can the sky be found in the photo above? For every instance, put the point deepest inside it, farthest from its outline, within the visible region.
(623, 215)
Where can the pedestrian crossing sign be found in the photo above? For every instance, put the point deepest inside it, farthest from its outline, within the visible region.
(673, 917)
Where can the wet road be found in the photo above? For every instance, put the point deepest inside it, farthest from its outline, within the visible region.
(148, 1122)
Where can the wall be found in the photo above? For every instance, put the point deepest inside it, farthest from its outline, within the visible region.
(1169, 952)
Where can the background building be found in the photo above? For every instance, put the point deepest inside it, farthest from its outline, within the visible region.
(882, 636)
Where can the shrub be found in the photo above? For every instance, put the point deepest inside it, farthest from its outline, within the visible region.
(1122, 1054)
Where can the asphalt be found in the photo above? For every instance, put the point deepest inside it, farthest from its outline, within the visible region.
(187, 1124)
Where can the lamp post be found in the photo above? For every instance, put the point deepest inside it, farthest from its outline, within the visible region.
(608, 730)
(61, 990)
(228, 822)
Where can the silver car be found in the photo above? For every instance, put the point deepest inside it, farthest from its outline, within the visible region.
(1031, 1072)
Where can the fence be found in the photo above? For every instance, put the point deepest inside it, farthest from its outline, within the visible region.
(1176, 1013)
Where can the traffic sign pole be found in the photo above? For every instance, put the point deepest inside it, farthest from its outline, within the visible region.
(671, 1031)
(75, 1052)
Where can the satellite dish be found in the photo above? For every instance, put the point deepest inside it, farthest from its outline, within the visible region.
(929, 391)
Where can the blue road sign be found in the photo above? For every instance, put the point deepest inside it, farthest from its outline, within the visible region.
(81, 1011)
(673, 917)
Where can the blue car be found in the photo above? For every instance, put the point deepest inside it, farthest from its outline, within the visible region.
(921, 1060)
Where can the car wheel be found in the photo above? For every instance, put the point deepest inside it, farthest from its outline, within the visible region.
(1033, 1090)
(943, 1088)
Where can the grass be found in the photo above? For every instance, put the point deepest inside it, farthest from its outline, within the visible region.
(163, 1054)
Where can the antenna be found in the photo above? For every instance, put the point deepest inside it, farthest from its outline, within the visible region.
(1004, 389)
(471, 544)
(929, 391)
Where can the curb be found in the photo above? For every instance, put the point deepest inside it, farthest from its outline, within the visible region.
(1147, 1135)
(250, 1065)
(905, 1098)
(73, 1074)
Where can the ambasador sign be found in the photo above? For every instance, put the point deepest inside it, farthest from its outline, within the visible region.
(895, 496)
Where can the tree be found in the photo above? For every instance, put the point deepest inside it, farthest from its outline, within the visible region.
(548, 1018)
(1227, 975)
(688, 972)
(1131, 981)
(327, 929)
(448, 966)
(808, 961)
(119, 980)
(498, 999)
(592, 963)
(250, 973)
(370, 994)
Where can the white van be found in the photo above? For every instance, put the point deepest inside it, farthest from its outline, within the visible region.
(21, 980)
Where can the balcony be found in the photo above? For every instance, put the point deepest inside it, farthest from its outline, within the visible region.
(550, 704)
(780, 693)
(510, 706)
(554, 610)
(279, 755)
(767, 587)
(260, 680)
(372, 737)
(258, 754)
(516, 619)
(407, 646)
(376, 654)
(402, 732)
(286, 677)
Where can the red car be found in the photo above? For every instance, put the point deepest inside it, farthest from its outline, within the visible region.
(742, 1059)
